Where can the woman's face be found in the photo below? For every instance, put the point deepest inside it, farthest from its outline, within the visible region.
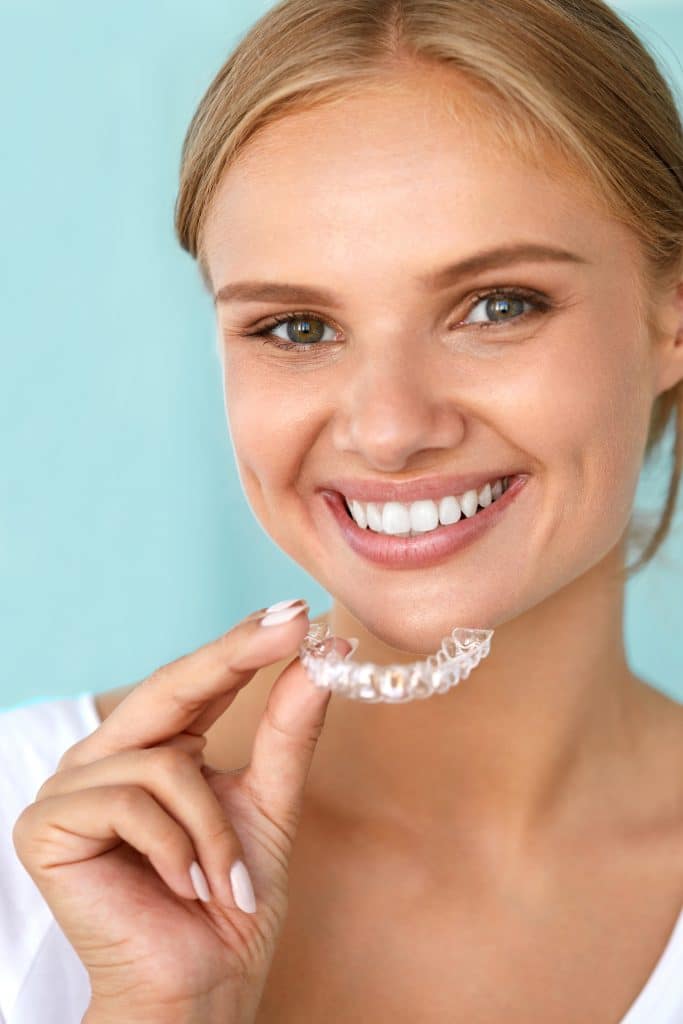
(406, 378)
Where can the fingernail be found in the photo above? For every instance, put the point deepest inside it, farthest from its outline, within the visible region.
(337, 643)
(284, 604)
(199, 882)
(354, 641)
(276, 618)
(242, 889)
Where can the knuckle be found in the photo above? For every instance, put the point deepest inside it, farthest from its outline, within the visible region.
(219, 829)
(172, 762)
(127, 798)
(45, 788)
(22, 826)
(70, 756)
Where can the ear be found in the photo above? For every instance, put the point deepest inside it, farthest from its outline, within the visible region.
(669, 351)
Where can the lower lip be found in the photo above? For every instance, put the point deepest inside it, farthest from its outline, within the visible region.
(420, 551)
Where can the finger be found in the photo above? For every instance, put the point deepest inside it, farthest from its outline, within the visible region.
(189, 694)
(174, 780)
(72, 827)
(285, 742)
(194, 745)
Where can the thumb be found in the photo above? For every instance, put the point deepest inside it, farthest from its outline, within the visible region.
(285, 741)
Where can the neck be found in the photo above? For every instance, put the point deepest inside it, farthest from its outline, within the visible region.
(539, 727)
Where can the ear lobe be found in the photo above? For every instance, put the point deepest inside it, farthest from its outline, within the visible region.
(669, 352)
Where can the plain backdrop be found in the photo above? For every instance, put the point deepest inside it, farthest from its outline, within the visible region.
(125, 537)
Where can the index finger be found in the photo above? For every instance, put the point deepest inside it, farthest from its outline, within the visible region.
(188, 695)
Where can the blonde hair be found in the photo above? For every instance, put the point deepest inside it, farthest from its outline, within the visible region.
(568, 72)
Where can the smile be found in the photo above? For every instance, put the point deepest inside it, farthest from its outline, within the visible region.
(409, 519)
(422, 549)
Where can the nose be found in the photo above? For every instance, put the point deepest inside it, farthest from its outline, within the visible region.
(392, 409)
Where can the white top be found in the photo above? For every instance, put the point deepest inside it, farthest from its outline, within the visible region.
(42, 979)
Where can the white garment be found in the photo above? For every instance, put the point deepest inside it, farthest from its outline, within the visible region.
(42, 981)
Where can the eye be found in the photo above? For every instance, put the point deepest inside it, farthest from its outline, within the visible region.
(307, 332)
(505, 304)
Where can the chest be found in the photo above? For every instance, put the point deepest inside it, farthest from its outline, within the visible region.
(571, 941)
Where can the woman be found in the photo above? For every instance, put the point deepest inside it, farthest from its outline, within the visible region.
(444, 242)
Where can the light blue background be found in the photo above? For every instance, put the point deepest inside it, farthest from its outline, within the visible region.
(125, 538)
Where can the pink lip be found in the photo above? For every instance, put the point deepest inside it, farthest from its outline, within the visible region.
(420, 552)
(414, 490)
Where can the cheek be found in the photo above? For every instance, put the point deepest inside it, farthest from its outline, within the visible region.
(270, 435)
(583, 411)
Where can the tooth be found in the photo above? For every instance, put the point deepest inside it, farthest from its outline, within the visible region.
(468, 502)
(374, 514)
(497, 490)
(485, 496)
(424, 516)
(449, 510)
(395, 518)
(358, 513)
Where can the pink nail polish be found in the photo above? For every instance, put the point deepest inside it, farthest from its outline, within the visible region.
(286, 615)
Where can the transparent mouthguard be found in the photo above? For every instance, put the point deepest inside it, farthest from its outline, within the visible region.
(459, 653)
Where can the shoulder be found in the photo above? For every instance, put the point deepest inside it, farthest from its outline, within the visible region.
(32, 740)
(657, 790)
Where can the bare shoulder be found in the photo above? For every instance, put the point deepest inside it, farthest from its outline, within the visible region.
(662, 759)
(665, 719)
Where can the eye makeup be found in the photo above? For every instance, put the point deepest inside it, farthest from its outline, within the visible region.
(538, 302)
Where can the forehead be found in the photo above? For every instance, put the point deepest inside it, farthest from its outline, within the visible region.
(388, 172)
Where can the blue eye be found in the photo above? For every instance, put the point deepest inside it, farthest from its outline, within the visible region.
(311, 334)
(504, 302)
(500, 303)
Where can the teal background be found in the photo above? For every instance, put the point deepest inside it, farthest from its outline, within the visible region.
(125, 538)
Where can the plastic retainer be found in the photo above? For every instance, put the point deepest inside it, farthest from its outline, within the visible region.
(459, 653)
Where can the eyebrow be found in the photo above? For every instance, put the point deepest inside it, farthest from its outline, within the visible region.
(521, 252)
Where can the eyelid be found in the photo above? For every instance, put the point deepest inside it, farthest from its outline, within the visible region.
(532, 295)
(541, 304)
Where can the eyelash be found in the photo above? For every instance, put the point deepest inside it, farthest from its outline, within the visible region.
(541, 303)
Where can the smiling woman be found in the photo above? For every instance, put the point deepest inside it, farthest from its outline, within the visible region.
(439, 261)
(444, 239)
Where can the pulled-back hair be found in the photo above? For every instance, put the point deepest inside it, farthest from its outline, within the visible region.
(568, 72)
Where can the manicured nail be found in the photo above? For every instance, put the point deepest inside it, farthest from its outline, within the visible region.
(242, 889)
(284, 604)
(199, 882)
(276, 618)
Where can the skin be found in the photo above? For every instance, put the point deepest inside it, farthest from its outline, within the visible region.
(552, 744)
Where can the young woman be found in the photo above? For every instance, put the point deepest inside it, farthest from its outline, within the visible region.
(444, 241)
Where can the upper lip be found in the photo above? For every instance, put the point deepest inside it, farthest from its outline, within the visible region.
(413, 490)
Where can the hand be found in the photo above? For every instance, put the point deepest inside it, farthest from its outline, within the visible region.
(112, 835)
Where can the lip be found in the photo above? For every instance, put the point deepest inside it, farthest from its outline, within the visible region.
(420, 551)
(414, 490)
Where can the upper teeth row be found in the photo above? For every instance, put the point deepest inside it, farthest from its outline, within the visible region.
(401, 518)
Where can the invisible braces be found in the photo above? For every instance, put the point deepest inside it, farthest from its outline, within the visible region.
(459, 653)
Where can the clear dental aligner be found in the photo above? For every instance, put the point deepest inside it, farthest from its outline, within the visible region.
(459, 653)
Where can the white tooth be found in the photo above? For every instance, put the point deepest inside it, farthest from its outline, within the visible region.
(485, 496)
(424, 516)
(374, 514)
(468, 502)
(395, 518)
(497, 490)
(358, 513)
(449, 510)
